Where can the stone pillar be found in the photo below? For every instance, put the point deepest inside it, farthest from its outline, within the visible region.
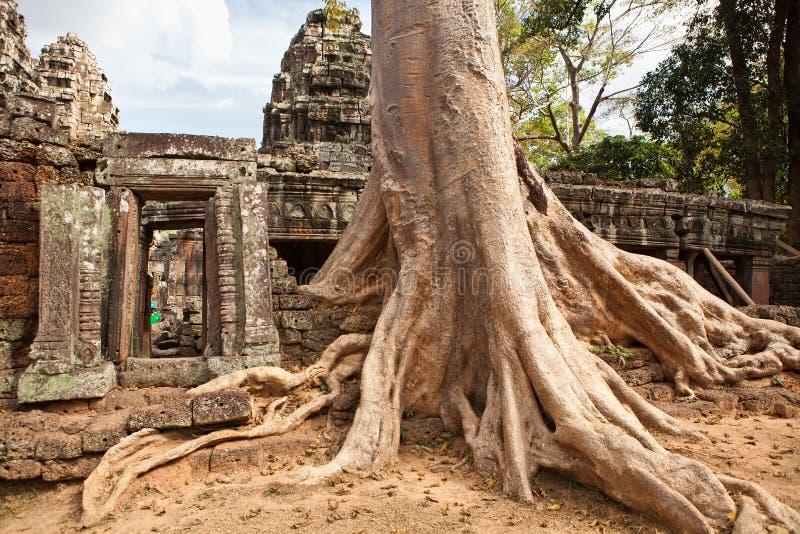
(760, 279)
(125, 214)
(227, 271)
(141, 325)
(248, 334)
(260, 335)
(66, 353)
(211, 309)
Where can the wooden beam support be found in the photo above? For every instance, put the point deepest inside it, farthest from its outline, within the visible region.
(716, 265)
(788, 248)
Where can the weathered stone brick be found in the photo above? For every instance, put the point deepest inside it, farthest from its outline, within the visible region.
(12, 264)
(325, 319)
(78, 468)
(293, 302)
(17, 306)
(8, 382)
(19, 443)
(6, 361)
(18, 191)
(161, 417)
(13, 285)
(289, 336)
(57, 446)
(55, 156)
(11, 171)
(104, 432)
(22, 211)
(19, 231)
(15, 329)
(284, 285)
(318, 340)
(20, 469)
(297, 320)
(221, 408)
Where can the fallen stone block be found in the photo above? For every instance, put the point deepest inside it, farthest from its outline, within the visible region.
(221, 408)
(161, 417)
(175, 372)
(223, 365)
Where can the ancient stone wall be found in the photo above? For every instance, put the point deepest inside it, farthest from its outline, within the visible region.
(304, 327)
(31, 154)
(319, 99)
(785, 281)
(70, 75)
(16, 69)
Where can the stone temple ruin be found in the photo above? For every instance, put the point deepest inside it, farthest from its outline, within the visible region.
(154, 262)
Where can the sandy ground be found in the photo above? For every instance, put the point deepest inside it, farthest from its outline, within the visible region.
(233, 489)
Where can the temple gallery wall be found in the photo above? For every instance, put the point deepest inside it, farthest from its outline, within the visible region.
(143, 260)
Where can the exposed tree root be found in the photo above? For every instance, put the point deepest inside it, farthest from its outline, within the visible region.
(145, 450)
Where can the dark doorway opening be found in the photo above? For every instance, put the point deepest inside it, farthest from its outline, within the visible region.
(304, 257)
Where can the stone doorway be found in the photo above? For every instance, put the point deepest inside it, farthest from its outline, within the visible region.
(95, 293)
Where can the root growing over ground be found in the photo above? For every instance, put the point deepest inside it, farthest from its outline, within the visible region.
(490, 292)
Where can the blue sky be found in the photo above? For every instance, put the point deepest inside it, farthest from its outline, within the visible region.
(189, 66)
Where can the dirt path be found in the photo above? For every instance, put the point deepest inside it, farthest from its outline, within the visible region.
(233, 488)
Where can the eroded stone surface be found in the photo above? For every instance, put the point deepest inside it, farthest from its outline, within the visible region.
(221, 408)
(69, 74)
(319, 111)
(176, 414)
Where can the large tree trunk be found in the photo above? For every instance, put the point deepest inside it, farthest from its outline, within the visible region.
(792, 88)
(756, 186)
(776, 134)
(490, 290)
(480, 324)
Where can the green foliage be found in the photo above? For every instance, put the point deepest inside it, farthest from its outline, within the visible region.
(336, 11)
(619, 158)
(689, 102)
(559, 58)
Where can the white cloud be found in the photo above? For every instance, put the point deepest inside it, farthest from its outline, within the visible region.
(143, 45)
(225, 103)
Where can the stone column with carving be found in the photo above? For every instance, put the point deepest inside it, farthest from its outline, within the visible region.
(260, 334)
(248, 336)
(66, 353)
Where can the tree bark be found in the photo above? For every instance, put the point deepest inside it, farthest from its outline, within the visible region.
(776, 139)
(792, 90)
(747, 115)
